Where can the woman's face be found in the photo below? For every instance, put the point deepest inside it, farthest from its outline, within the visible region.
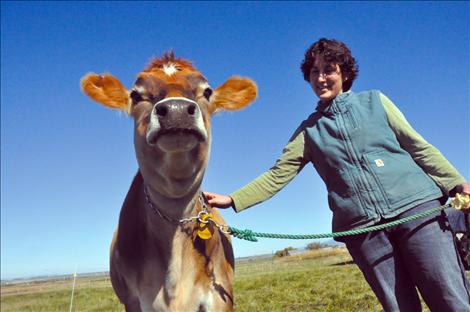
(326, 79)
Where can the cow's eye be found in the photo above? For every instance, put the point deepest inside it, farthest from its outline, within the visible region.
(207, 93)
(136, 97)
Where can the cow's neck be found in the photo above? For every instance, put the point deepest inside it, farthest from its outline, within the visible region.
(172, 182)
(174, 209)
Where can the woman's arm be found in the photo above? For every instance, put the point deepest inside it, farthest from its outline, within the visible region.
(266, 185)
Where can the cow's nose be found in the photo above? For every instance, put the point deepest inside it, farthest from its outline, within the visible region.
(175, 110)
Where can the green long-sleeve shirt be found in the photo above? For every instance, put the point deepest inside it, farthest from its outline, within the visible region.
(295, 157)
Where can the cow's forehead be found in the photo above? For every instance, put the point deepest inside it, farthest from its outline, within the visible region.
(169, 75)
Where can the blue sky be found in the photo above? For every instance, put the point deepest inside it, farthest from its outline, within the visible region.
(67, 163)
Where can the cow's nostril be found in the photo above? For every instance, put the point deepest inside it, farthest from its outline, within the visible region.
(152, 140)
(191, 109)
(161, 110)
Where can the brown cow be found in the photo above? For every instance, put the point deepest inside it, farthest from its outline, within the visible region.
(158, 261)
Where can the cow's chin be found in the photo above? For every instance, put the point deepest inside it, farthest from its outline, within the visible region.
(178, 141)
(176, 188)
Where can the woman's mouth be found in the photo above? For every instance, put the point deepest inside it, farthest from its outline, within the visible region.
(323, 88)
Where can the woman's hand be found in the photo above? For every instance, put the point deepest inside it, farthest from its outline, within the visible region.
(218, 200)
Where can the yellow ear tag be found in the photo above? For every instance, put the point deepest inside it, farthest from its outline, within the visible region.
(205, 230)
(460, 201)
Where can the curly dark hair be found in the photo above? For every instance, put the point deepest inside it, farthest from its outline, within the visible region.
(332, 51)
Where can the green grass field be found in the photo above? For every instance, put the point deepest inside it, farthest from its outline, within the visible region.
(323, 280)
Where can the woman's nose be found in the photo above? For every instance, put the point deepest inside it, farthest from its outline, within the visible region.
(321, 77)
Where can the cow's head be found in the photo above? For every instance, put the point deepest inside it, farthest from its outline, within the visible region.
(171, 103)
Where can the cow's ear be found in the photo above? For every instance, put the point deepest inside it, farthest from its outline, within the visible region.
(107, 90)
(233, 94)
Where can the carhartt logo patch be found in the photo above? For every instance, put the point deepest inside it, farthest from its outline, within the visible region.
(379, 163)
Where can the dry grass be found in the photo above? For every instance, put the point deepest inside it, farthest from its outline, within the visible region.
(91, 294)
(54, 285)
(318, 253)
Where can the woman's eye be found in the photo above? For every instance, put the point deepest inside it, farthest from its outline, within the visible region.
(330, 70)
(207, 93)
(136, 97)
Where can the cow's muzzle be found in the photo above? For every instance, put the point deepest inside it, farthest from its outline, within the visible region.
(176, 124)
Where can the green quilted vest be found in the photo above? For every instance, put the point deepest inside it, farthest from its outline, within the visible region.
(367, 174)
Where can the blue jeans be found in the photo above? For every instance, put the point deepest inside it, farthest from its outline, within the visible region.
(418, 254)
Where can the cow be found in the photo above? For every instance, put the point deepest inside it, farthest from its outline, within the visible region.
(167, 253)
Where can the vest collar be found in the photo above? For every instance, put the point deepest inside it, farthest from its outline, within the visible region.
(340, 98)
(328, 107)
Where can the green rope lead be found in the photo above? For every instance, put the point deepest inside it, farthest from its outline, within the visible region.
(251, 236)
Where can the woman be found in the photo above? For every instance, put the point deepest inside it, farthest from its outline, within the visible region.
(377, 168)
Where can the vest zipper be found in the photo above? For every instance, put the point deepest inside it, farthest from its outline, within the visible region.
(356, 163)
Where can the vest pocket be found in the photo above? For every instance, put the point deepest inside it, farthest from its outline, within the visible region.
(397, 176)
(344, 199)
